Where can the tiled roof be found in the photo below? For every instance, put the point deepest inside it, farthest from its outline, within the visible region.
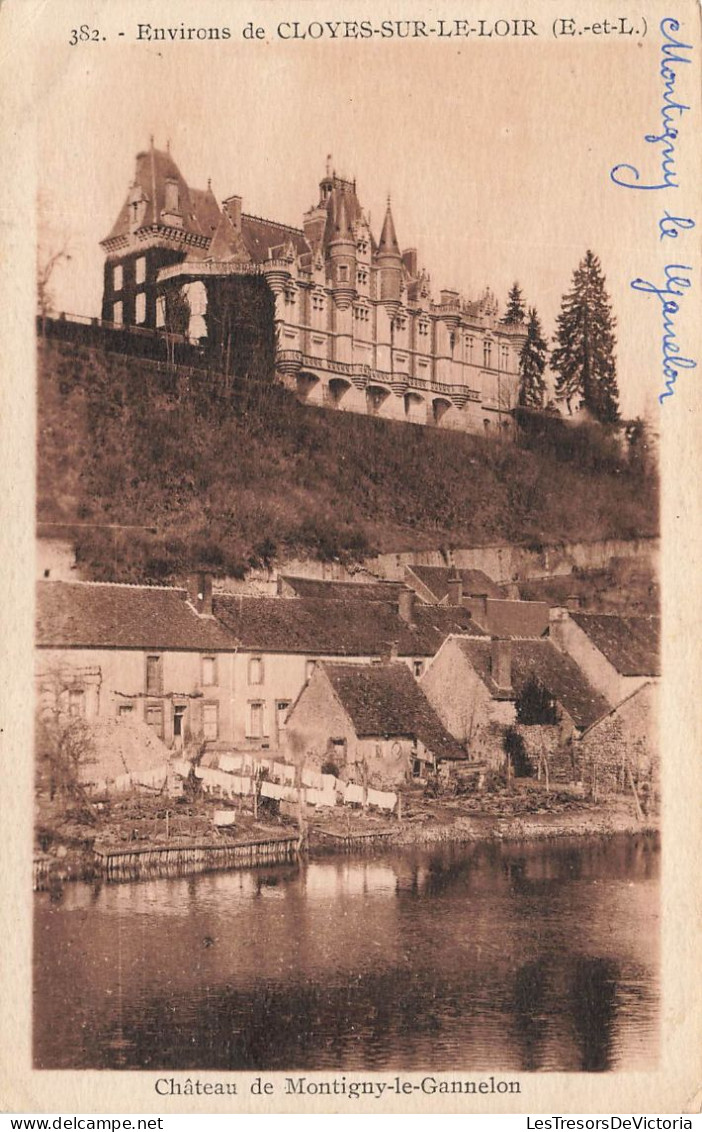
(385, 700)
(261, 237)
(631, 644)
(324, 627)
(475, 582)
(198, 207)
(516, 618)
(227, 242)
(436, 622)
(557, 671)
(348, 591)
(103, 615)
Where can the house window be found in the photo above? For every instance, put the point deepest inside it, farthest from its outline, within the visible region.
(154, 675)
(423, 328)
(417, 668)
(76, 702)
(117, 316)
(504, 357)
(310, 666)
(255, 670)
(140, 308)
(117, 277)
(469, 349)
(343, 273)
(209, 670)
(487, 354)
(337, 749)
(210, 721)
(281, 710)
(161, 311)
(140, 269)
(256, 719)
(125, 710)
(154, 717)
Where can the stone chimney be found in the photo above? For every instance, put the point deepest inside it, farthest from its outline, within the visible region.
(455, 587)
(200, 593)
(405, 605)
(409, 258)
(501, 662)
(232, 207)
(389, 653)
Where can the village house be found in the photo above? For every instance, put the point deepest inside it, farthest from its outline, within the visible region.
(618, 654)
(280, 641)
(371, 725)
(473, 685)
(621, 749)
(449, 585)
(202, 667)
(145, 653)
(497, 615)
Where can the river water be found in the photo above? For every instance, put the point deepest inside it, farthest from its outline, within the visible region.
(525, 957)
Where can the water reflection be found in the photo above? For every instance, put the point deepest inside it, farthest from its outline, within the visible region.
(509, 957)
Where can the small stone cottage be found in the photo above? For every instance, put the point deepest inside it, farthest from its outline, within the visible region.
(372, 724)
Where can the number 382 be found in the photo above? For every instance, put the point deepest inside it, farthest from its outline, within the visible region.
(83, 34)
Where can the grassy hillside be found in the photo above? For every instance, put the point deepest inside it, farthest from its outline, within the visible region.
(231, 478)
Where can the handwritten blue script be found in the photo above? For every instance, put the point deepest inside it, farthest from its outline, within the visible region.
(677, 282)
(672, 111)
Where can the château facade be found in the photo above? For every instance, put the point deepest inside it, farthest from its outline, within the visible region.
(356, 325)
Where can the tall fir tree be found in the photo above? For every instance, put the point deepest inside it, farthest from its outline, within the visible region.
(516, 310)
(583, 358)
(532, 364)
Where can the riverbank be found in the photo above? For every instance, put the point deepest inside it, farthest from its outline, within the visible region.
(435, 822)
(137, 838)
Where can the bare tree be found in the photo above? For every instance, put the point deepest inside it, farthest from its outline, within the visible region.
(53, 251)
(63, 739)
(46, 266)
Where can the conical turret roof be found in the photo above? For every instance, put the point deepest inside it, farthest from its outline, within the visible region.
(388, 239)
(342, 225)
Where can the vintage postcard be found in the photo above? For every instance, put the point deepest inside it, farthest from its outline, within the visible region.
(351, 418)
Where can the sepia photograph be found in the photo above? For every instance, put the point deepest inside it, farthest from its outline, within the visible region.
(357, 341)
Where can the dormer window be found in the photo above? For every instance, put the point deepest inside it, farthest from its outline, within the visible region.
(172, 202)
(137, 207)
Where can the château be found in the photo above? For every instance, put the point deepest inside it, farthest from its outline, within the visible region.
(353, 321)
